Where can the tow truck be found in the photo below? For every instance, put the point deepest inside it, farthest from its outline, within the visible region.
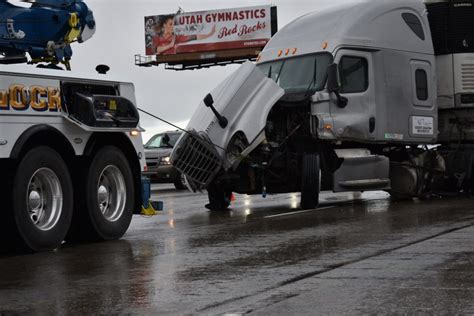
(375, 95)
(71, 151)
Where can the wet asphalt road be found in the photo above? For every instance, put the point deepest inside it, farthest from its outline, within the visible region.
(265, 256)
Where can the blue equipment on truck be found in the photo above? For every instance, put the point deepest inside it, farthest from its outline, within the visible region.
(44, 31)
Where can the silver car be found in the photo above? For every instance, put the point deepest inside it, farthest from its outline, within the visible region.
(157, 152)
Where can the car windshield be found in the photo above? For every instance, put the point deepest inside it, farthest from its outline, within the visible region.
(157, 141)
(299, 74)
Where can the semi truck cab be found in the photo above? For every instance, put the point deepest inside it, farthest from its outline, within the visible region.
(345, 99)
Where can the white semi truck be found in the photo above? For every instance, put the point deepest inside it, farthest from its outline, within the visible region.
(71, 158)
(352, 98)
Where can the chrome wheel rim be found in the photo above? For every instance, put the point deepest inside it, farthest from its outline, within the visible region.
(44, 199)
(111, 193)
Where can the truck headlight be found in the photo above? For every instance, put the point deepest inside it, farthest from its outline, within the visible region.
(165, 160)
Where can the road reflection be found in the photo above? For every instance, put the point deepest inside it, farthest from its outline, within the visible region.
(187, 257)
(97, 277)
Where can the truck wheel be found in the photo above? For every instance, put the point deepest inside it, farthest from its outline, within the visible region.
(42, 201)
(179, 182)
(105, 209)
(219, 199)
(310, 181)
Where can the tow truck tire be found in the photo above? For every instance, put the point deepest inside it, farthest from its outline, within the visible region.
(310, 181)
(42, 200)
(105, 209)
(219, 198)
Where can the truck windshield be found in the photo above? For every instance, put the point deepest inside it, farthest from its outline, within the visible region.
(157, 141)
(299, 74)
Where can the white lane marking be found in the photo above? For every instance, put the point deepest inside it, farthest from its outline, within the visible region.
(299, 212)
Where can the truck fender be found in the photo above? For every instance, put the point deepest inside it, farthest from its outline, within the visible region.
(36, 131)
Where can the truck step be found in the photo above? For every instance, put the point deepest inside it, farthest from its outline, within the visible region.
(362, 173)
(368, 184)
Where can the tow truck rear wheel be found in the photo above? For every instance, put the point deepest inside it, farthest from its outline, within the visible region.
(42, 200)
(310, 181)
(105, 207)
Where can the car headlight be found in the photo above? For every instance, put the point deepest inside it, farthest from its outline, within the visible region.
(165, 160)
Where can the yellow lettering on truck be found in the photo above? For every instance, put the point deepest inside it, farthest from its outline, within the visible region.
(20, 98)
(39, 101)
(3, 100)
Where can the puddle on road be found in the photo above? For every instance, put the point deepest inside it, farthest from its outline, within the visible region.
(192, 259)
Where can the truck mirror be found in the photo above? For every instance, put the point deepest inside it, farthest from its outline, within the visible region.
(333, 84)
(208, 100)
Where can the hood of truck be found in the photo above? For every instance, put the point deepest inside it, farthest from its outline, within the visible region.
(245, 99)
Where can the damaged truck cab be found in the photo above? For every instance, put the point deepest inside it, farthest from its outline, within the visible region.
(343, 99)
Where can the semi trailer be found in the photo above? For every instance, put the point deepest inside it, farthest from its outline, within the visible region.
(375, 95)
(71, 157)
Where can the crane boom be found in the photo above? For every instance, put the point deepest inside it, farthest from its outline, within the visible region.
(44, 31)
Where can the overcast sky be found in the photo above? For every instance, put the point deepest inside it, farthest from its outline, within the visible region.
(173, 95)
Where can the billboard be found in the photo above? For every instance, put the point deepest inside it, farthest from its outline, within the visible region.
(209, 31)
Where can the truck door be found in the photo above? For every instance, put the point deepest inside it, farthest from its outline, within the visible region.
(357, 120)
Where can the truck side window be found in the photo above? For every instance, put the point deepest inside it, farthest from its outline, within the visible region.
(421, 80)
(414, 24)
(354, 74)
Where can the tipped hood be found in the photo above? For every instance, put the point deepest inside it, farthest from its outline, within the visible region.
(245, 99)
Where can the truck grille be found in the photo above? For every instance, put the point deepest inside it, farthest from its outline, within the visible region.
(197, 158)
(467, 71)
(152, 162)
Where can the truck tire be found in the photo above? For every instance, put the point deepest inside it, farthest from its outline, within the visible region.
(42, 200)
(219, 198)
(104, 209)
(310, 181)
(179, 182)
